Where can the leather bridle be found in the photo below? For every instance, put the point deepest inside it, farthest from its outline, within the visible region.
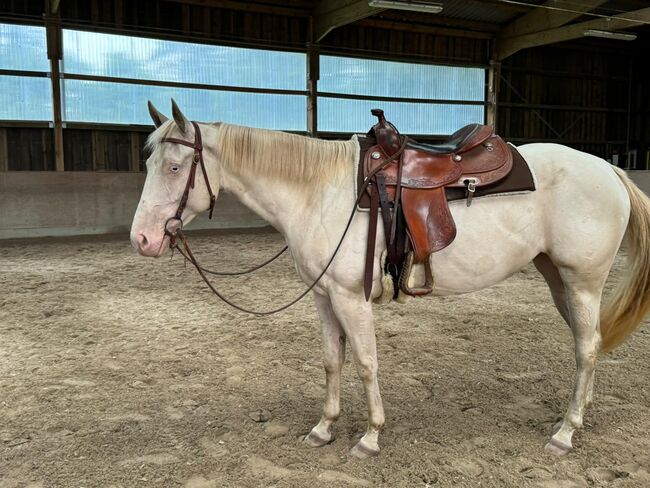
(197, 145)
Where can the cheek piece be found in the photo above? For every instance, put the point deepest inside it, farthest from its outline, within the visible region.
(175, 223)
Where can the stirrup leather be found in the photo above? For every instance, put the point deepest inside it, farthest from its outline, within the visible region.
(404, 277)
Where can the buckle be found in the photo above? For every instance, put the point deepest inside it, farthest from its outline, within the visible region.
(471, 189)
(173, 232)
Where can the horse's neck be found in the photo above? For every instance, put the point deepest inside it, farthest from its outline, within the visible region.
(275, 201)
(290, 206)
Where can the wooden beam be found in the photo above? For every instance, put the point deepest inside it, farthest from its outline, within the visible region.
(134, 159)
(4, 151)
(438, 21)
(54, 6)
(509, 46)
(548, 16)
(313, 68)
(494, 75)
(55, 53)
(257, 7)
(425, 29)
(330, 14)
(98, 151)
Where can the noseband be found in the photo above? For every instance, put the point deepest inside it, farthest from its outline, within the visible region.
(197, 145)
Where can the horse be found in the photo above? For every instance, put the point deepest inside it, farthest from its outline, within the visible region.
(571, 227)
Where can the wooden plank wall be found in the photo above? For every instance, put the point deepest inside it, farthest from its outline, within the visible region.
(278, 26)
(28, 149)
(640, 102)
(568, 94)
(573, 94)
(104, 150)
(368, 41)
(32, 149)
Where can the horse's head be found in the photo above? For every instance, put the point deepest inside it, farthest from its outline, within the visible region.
(169, 172)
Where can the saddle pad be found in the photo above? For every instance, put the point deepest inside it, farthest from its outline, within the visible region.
(519, 179)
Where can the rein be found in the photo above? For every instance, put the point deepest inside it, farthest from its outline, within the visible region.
(186, 252)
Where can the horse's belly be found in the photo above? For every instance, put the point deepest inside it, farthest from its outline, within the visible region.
(496, 237)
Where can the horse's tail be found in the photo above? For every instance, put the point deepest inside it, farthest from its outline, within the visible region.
(631, 299)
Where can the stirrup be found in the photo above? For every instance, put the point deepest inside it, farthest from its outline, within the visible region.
(407, 269)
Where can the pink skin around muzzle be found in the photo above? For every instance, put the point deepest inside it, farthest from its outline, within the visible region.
(154, 243)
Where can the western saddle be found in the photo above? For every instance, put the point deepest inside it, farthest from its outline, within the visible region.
(408, 182)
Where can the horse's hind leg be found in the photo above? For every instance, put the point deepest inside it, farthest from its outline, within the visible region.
(583, 302)
(558, 291)
(554, 281)
(334, 357)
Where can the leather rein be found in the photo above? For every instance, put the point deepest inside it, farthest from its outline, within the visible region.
(186, 252)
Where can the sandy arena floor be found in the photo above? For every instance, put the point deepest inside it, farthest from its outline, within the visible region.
(121, 371)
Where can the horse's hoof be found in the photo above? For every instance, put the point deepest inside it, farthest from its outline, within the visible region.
(314, 440)
(557, 448)
(361, 451)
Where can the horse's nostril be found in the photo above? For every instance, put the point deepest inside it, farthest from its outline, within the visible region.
(142, 241)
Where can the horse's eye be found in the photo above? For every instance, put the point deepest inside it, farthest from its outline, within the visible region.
(174, 168)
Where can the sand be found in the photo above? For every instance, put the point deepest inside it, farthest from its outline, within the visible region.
(122, 371)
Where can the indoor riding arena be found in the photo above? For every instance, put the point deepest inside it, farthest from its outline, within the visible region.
(490, 213)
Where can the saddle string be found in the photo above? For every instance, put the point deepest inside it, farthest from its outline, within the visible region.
(190, 256)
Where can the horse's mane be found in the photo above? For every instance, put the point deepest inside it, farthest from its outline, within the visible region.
(279, 154)
(272, 153)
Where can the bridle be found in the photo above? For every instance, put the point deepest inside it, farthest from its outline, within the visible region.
(197, 145)
(186, 252)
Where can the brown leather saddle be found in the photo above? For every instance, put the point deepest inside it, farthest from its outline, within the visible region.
(411, 192)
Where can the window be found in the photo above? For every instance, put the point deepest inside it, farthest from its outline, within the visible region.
(25, 92)
(23, 47)
(440, 98)
(152, 67)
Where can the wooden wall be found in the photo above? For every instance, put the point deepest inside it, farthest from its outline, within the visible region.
(576, 94)
(32, 149)
(567, 93)
(640, 103)
(272, 24)
(26, 148)
(104, 150)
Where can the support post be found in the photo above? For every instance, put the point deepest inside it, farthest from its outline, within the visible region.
(4, 157)
(55, 54)
(134, 160)
(494, 73)
(313, 74)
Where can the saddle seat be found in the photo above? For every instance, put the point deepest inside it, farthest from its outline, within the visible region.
(412, 182)
(460, 141)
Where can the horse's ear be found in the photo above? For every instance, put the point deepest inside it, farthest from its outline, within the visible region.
(180, 119)
(156, 116)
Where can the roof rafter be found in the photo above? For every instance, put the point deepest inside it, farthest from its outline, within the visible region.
(549, 16)
(508, 46)
(54, 6)
(330, 14)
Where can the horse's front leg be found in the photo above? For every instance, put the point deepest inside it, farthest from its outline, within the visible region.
(355, 316)
(334, 351)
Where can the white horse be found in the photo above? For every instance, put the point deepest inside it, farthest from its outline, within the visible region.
(571, 227)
